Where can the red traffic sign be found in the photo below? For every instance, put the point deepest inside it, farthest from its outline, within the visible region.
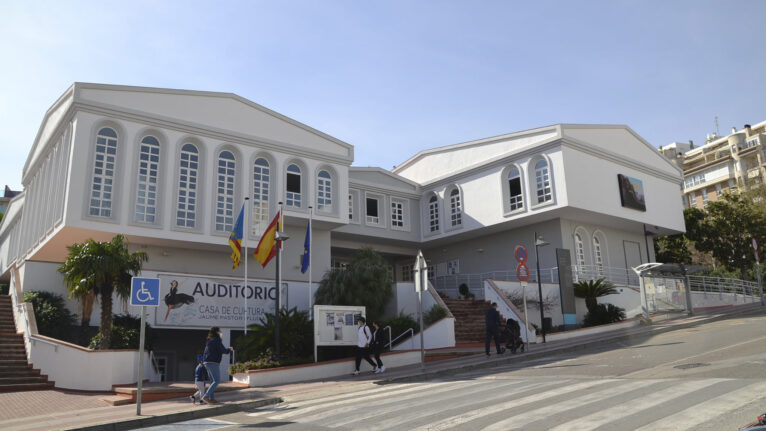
(522, 271)
(521, 253)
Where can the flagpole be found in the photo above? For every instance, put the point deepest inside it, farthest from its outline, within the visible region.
(245, 231)
(311, 244)
(279, 283)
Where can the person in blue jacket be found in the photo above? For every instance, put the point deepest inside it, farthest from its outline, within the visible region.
(214, 349)
(492, 321)
(200, 377)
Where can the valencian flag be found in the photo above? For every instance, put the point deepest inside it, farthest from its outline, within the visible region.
(267, 246)
(235, 239)
(306, 256)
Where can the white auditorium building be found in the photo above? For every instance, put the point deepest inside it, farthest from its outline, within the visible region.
(171, 168)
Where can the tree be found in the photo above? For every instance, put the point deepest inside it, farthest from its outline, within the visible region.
(52, 317)
(364, 281)
(680, 248)
(591, 290)
(727, 231)
(101, 269)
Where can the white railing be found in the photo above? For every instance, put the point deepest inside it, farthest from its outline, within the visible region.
(410, 331)
(721, 285)
(449, 284)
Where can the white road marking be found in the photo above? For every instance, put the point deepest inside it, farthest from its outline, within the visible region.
(485, 411)
(602, 417)
(521, 420)
(695, 415)
(396, 420)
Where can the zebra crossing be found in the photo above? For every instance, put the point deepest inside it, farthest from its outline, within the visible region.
(526, 403)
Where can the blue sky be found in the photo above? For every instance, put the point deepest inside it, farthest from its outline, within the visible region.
(396, 77)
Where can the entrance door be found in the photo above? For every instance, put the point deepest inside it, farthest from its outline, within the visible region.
(632, 251)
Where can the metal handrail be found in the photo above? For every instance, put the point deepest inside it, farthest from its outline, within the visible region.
(412, 335)
(389, 336)
(153, 360)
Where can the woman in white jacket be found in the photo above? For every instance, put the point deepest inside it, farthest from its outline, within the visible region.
(362, 345)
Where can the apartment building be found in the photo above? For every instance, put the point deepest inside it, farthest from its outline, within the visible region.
(724, 163)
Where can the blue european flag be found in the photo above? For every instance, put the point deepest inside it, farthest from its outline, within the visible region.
(306, 257)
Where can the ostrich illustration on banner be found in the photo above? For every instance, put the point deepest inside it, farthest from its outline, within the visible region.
(176, 300)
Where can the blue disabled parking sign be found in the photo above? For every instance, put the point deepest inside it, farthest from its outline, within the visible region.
(145, 291)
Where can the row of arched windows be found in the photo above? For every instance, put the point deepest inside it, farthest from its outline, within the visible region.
(455, 210)
(513, 186)
(186, 202)
(597, 250)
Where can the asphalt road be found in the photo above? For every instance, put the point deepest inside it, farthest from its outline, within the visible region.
(708, 377)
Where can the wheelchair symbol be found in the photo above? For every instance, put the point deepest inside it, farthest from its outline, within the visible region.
(143, 294)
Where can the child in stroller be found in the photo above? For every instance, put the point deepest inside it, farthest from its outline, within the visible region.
(511, 336)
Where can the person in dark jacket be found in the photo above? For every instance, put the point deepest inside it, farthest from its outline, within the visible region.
(492, 321)
(200, 377)
(214, 350)
(376, 346)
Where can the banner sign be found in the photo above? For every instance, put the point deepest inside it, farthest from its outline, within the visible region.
(199, 301)
(566, 286)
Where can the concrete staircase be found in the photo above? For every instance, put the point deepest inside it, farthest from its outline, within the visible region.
(469, 319)
(15, 373)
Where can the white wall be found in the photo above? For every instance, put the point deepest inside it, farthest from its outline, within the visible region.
(439, 335)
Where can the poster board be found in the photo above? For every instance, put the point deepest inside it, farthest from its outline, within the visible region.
(336, 325)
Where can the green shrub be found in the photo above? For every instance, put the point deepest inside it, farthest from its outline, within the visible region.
(400, 323)
(53, 318)
(296, 337)
(126, 334)
(603, 314)
(266, 360)
(465, 291)
(435, 314)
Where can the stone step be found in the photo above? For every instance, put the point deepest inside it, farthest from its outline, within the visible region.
(26, 387)
(18, 372)
(26, 379)
(6, 363)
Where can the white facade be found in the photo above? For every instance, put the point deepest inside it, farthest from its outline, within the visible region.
(170, 169)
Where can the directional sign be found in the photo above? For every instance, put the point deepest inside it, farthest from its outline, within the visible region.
(522, 271)
(145, 291)
(521, 253)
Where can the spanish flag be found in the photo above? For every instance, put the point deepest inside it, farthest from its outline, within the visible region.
(267, 246)
(235, 239)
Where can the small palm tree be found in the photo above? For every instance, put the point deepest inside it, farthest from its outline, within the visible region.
(98, 269)
(592, 289)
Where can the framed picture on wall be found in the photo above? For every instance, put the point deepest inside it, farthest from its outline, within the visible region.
(631, 192)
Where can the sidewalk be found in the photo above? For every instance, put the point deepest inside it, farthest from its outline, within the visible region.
(51, 409)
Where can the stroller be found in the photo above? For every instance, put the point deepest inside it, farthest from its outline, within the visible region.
(511, 336)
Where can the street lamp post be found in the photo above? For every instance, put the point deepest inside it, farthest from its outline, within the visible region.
(279, 237)
(540, 243)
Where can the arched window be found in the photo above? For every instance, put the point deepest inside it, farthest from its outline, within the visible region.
(188, 170)
(224, 201)
(543, 181)
(433, 214)
(101, 191)
(146, 183)
(261, 183)
(324, 191)
(598, 257)
(514, 187)
(455, 208)
(579, 252)
(293, 196)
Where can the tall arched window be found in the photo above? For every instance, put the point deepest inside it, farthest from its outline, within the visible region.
(188, 170)
(579, 252)
(543, 181)
(146, 183)
(324, 191)
(433, 214)
(101, 191)
(224, 201)
(455, 208)
(598, 257)
(514, 187)
(293, 195)
(261, 183)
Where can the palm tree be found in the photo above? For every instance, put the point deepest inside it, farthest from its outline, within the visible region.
(100, 269)
(592, 289)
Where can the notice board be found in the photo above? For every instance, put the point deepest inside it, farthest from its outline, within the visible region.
(337, 325)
